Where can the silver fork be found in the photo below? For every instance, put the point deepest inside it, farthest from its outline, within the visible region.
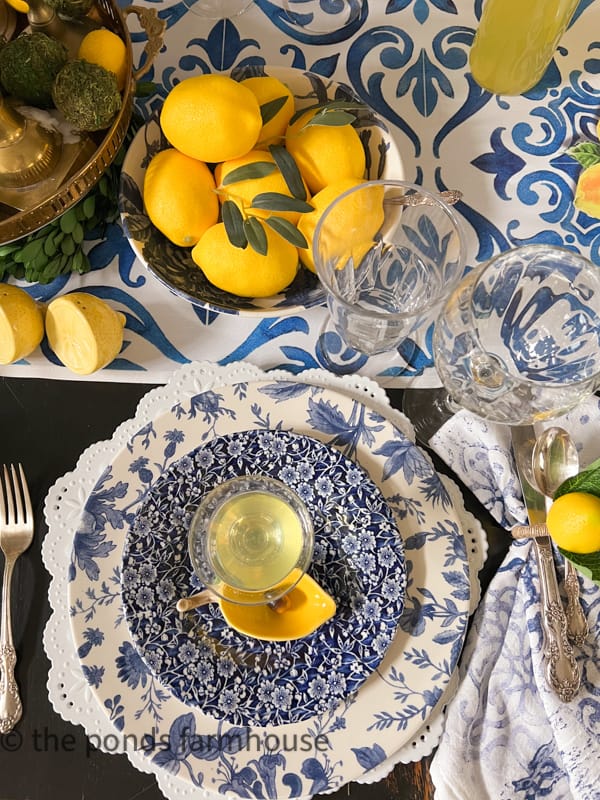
(16, 534)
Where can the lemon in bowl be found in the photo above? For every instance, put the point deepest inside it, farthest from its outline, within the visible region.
(174, 266)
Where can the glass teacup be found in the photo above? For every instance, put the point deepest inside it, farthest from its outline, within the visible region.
(251, 540)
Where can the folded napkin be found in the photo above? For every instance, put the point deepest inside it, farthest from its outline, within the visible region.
(507, 735)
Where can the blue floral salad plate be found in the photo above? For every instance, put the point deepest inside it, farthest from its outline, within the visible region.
(358, 559)
(173, 265)
(357, 733)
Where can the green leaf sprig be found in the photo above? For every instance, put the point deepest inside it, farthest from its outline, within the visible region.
(587, 481)
(586, 153)
(245, 228)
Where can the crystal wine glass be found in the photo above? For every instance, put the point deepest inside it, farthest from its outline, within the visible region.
(517, 342)
(218, 9)
(387, 254)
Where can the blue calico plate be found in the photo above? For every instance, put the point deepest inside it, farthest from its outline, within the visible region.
(358, 558)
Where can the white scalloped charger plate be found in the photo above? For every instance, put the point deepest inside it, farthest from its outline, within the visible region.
(391, 705)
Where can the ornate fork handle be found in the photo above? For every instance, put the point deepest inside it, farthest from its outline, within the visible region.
(577, 624)
(562, 670)
(10, 701)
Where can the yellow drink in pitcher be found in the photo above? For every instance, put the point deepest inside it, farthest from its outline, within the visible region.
(515, 42)
(255, 539)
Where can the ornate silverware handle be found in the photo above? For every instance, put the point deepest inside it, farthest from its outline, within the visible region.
(10, 701)
(562, 670)
(577, 624)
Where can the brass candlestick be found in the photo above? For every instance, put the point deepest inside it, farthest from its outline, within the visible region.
(28, 151)
(44, 19)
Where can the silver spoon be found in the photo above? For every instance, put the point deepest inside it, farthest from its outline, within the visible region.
(554, 459)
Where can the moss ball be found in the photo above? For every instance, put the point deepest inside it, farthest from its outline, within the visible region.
(71, 8)
(87, 95)
(29, 65)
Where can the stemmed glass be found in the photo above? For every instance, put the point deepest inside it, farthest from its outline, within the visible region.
(323, 16)
(218, 9)
(518, 341)
(387, 254)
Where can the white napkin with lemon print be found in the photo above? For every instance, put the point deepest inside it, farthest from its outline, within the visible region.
(507, 735)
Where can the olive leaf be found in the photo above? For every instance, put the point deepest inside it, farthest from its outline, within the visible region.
(331, 118)
(289, 170)
(334, 105)
(270, 109)
(287, 231)
(234, 224)
(586, 153)
(258, 169)
(275, 201)
(255, 233)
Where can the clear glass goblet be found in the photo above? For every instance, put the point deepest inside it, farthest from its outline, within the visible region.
(387, 254)
(518, 341)
(323, 16)
(218, 9)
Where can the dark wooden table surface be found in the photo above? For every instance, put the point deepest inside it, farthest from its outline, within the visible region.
(46, 425)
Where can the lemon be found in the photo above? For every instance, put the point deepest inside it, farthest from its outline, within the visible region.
(574, 522)
(244, 271)
(84, 331)
(243, 192)
(297, 614)
(211, 118)
(354, 221)
(21, 324)
(105, 48)
(587, 191)
(19, 5)
(267, 90)
(325, 154)
(179, 196)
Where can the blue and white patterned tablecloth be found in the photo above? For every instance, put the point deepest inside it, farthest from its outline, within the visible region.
(408, 59)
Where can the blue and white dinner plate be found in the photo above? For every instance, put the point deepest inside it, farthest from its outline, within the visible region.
(325, 751)
(358, 559)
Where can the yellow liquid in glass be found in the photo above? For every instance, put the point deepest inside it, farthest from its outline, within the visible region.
(254, 541)
(515, 42)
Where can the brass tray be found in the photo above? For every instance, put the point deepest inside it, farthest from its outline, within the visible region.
(78, 185)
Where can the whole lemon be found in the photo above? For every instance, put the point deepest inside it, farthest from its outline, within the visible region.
(243, 192)
(574, 522)
(244, 271)
(21, 323)
(105, 48)
(325, 154)
(180, 197)
(84, 331)
(211, 118)
(587, 191)
(356, 219)
(267, 90)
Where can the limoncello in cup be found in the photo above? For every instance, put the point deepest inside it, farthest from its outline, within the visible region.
(251, 539)
(515, 42)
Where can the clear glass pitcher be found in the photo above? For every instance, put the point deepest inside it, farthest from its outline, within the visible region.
(515, 42)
